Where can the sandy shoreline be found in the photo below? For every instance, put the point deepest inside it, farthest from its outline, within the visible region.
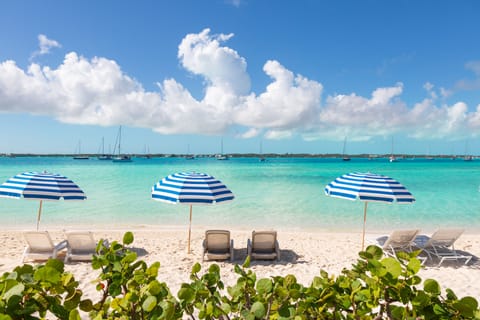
(304, 254)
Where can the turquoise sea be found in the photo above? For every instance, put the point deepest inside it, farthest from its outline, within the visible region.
(283, 193)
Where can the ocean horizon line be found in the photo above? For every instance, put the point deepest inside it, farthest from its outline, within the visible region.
(252, 155)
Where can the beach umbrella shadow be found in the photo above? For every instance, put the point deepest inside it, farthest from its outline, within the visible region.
(141, 252)
(191, 188)
(368, 187)
(42, 186)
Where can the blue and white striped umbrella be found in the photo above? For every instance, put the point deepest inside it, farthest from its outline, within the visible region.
(41, 186)
(368, 187)
(191, 188)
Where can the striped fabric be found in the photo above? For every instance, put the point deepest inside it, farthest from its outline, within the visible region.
(368, 187)
(41, 186)
(191, 188)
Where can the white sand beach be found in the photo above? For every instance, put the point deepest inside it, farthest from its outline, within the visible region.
(303, 254)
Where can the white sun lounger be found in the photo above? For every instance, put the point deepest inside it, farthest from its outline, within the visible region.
(441, 245)
(217, 245)
(81, 246)
(399, 240)
(264, 245)
(40, 246)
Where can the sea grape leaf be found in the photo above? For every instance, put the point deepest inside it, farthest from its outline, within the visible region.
(392, 266)
(149, 303)
(258, 309)
(128, 238)
(431, 286)
(16, 290)
(264, 286)
(467, 306)
(47, 274)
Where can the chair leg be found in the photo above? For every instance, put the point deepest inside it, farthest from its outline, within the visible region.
(25, 253)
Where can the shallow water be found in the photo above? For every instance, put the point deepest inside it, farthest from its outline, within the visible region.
(277, 193)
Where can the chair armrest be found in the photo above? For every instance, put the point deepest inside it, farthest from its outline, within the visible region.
(61, 245)
(204, 246)
(231, 250)
(25, 252)
(277, 250)
(249, 247)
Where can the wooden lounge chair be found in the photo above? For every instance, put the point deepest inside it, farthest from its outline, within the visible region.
(441, 245)
(40, 246)
(217, 245)
(399, 240)
(81, 246)
(263, 246)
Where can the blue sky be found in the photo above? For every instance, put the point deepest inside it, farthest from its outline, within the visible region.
(300, 76)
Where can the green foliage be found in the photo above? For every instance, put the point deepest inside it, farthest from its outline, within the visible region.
(375, 287)
(33, 292)
(129, 286)
(203, 294)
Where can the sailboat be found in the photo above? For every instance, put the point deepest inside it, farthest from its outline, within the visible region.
(79, 156)
(392, 157)
(189, 156)
(428, 156)
(221, 156)
(120, 157)
(467, 157)
(103, 155)
(344, 156)
(146, 153)
(262, 158)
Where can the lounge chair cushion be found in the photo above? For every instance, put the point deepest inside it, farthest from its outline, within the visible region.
(40, 246)
(217, 245)
(264, 245)
(81, 246)
(399, 240)
(442, 245)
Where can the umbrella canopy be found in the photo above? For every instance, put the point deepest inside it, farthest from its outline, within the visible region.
(41, 186)
(368, 187)
(191, 188)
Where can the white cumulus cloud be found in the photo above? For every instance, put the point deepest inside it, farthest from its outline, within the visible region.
(45, 45)
(220, 66)
(289, 102)
(97, 91)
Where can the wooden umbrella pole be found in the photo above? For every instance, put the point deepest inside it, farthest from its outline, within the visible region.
(39, 214)
(364, 223)
(190, 229)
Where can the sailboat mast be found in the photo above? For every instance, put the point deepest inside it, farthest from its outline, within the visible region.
(391, 153)
(392, 157)
(345, 157)
(119, 139)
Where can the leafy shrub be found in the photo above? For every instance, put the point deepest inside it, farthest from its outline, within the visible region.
(130, 288)
(375, 287)
(32, 292)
